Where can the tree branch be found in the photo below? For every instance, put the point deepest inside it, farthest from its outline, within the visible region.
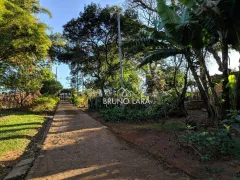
(216, 57)
(144, 5)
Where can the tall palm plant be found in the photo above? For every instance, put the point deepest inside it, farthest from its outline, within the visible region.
(182, 33)
(223, 22)
(184, 28)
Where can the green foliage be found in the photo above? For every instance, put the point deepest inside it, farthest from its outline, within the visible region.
(75, 100)
(188, 3)
(158, 55)
(58, 45)
(83, 100)
(45, 104)
(22, 35)
(80, 100)
(51, 87)
(138, 113)
(166, 98)
(232, 85)
(233, 120)
(212, 145)
(168, 16)
(2, 9)
(26, 79)
(126, 114)
(98, 58)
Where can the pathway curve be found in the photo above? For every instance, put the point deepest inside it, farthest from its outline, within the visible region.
(79, 147)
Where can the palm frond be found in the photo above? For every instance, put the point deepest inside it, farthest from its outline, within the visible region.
(38, 9)
(145, 42)
(168, 16)
(45, 11)
(185, 16)
(159, 54)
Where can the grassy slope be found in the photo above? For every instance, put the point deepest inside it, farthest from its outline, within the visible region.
(16, 130)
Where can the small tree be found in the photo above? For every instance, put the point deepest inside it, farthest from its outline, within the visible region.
(25, 81)
(51, 87)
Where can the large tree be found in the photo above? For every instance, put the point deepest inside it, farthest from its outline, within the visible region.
(179, 32)
(222, 20)
(194, 29)
(93, 46)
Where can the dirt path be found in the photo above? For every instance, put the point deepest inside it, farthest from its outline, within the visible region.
(78, 147)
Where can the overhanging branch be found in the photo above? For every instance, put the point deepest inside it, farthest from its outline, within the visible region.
(144, 5)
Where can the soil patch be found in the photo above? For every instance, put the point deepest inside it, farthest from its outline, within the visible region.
(164, 144)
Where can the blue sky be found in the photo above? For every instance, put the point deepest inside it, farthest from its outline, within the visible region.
(63, 11)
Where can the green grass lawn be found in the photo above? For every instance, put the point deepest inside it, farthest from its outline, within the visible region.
(17, 129)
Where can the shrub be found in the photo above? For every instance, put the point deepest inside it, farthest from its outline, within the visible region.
(51, 87)
(75, 100)
(211, 145)
(130, 115)
(167, 97)
(83, 100)
(80, 101)
(233, 120)
(45, 103)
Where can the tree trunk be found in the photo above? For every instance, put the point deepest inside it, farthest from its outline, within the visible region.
(210, 109)
(214, 94)
(225, 94)
(216, 57)
(180, 104)
(103, 92)
(151, 80)
(207, 83)
(203, 76)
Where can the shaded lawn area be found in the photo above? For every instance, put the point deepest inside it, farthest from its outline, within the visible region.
(17, 129)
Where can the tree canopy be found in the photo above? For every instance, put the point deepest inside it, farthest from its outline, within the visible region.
(23, 37)
(93, 48)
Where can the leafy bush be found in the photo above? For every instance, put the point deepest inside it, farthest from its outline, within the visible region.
(167, 97)
(211, 145)
(130, 115)
(51, 87)
(140, 112)
(165, 102)
(75, 100)
(233, 120)
(81, 100)
(45, 103)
